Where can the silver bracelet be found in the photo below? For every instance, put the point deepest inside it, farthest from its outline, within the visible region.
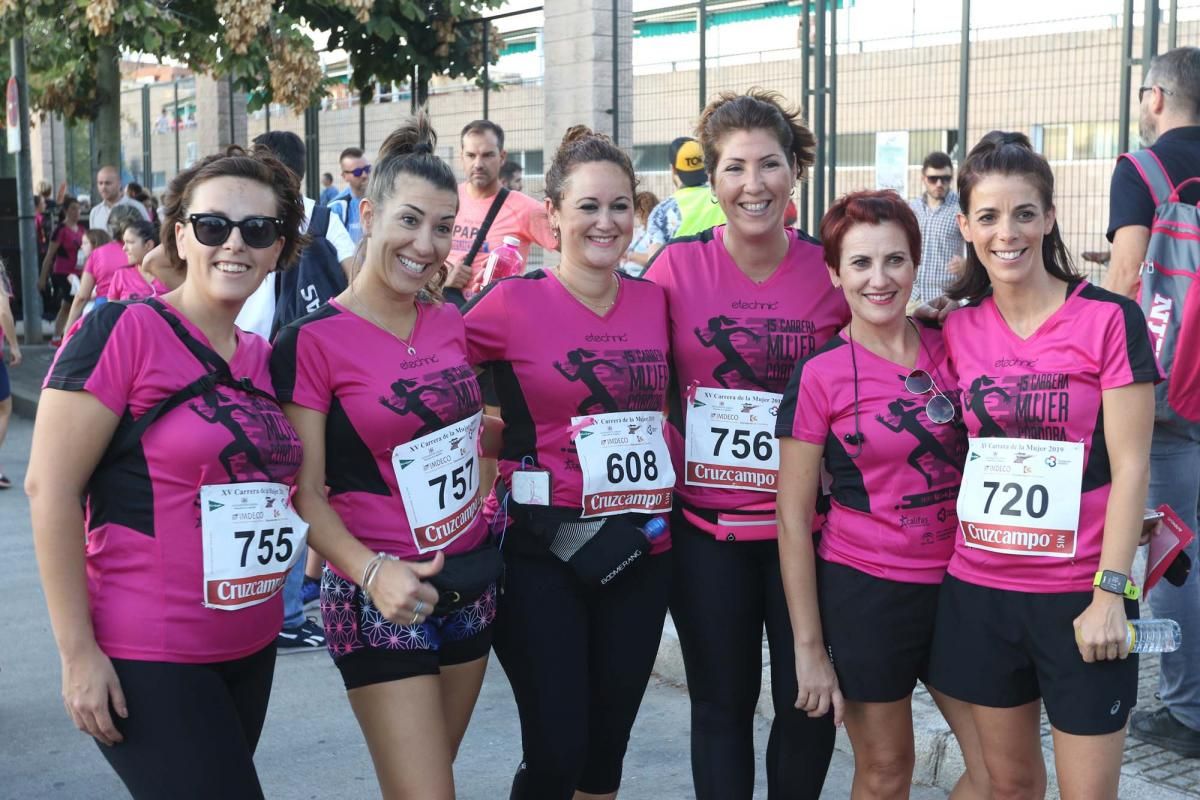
(371, 570)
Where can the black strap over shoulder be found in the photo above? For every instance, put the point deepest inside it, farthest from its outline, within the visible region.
(493, 210)
(217, 373)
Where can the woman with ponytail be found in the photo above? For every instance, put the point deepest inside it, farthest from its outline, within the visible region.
(378, 385)
(579, 355)
(1057, 382)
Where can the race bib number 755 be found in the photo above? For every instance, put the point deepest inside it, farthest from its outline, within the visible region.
(251, 538)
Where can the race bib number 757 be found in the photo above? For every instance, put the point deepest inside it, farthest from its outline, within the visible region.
(1021, 496)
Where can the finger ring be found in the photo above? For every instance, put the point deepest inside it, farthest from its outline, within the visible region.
(419, 607)
(414, 619)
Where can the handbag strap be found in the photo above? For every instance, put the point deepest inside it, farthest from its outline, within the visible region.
(493, 210)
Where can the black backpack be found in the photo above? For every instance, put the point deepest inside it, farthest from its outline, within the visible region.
(312, 282)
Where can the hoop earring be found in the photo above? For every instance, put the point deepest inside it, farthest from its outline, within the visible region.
(712, 198)
(792, 193)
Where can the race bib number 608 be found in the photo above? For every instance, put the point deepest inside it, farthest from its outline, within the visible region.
(625, 462)
(1021, 496)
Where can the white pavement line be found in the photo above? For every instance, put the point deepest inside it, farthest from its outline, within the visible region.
(939, 761)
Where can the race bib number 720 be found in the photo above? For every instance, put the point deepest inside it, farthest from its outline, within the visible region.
(1021, 496)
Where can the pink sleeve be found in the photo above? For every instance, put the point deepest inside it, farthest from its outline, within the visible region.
(487, 323)
(89, 265)
(300, 371)
(1127, 355)
(810, 422)
(659, 270)
(537, 227)
(102, 356)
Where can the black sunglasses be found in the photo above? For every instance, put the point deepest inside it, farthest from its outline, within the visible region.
(939, 178)
(939, 409)
(358, 172)
(1143, 89)
(212, 230)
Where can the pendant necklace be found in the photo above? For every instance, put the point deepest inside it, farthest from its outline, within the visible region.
(412, 351)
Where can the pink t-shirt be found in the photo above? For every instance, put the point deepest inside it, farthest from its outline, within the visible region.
(128, 284)
(893, 504)
(69, 240)
(375, 397)
(144, 554)
(729, 332)
(1048, 387)
(520, 216)
(103, 263)
(553, 358)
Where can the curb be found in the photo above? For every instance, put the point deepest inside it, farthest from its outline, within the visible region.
(939, 761)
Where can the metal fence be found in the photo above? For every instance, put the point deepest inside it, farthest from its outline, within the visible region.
(867, 73)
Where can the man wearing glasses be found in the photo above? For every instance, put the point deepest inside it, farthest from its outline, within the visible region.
(1169, 122)
(941, 241)
(355, 172)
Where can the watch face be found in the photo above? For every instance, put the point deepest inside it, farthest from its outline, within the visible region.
(1112, 582)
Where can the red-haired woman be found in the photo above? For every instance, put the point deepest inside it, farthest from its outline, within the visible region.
(870, 406)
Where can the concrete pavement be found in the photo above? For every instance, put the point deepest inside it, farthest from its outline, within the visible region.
(311, 745)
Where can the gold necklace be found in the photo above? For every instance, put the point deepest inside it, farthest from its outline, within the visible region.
(592, 304)
(366, 312)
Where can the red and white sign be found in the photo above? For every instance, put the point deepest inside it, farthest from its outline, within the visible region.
(438, 476)
(1021, 497)
(625, 462)
(731, 440)
(251, 538)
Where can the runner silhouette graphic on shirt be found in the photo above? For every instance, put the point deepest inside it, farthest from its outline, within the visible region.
(722, 329)
(221, 410)
(407, 395)
(907, 414)
(981, 387)
(585, 371)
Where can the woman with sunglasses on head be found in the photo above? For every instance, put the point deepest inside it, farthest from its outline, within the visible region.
(166, 618)
(1057, 381)
(870, 406)
(746, 300)
(138, 280)
(378, 384)
(579, 355)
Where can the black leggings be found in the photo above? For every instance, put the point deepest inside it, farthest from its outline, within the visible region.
(192, 728)
(578, 660)
(722, 594)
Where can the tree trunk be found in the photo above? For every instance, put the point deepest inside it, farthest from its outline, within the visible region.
(108, 114)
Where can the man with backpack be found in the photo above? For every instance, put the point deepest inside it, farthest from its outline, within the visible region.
(1154, 225)
(320, 274)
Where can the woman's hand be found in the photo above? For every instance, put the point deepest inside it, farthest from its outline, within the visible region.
(89, 685)
(400, 592)
(1100, 630)
(818, 685)
(14, 356)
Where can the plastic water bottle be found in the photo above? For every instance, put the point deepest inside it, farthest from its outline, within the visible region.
(1153, 636)
(655, 528)
(504, 262)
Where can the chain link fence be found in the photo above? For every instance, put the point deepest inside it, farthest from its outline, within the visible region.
(892, 75)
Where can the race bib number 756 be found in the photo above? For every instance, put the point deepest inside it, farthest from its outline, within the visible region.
(731, 440)
(1021, 496)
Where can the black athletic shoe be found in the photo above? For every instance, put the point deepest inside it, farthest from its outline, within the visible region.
(304, 638)
(1159, 727)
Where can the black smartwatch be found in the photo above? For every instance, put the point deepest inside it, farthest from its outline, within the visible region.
(1117, 583)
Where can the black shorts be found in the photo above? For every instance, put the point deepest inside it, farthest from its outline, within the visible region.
(5, 386)
(60, 287)
(367, 648)
(1003, 649)
(879, 632)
